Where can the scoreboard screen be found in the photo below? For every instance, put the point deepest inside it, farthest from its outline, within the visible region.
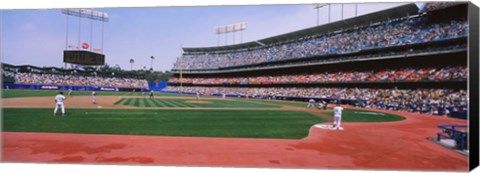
(83, 57)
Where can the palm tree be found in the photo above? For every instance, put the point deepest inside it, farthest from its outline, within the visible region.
(151, 64)
(131, 63)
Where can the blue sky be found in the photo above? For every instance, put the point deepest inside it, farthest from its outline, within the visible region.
(38, 37)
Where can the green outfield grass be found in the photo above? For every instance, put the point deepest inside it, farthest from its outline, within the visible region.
(279, 102)
(197, 123)
(52, 93)
(350, 115)
(200, 123)
(145, 102)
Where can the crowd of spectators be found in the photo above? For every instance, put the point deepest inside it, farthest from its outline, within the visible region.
(75, 80)
(8, 74)
(387, 75)
(429, 6)
(346, 58)
(428, 101)
(395, 33)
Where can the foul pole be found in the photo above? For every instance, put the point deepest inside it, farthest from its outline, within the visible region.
(181, 67)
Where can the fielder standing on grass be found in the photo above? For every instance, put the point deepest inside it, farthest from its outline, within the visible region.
(337, 116)
(311, 103)
(59, 103)
(198, 96)
(151, 94)
(70, 92)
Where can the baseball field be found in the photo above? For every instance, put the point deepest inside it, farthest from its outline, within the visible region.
(169, 129)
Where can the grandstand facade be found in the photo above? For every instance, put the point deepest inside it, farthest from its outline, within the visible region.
(404, 58)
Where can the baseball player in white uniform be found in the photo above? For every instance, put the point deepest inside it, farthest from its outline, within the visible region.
(311, 103)
(70, 92)
(94, 97)
(223, 96)
(337, 116)
(59, 99)
(198, 96)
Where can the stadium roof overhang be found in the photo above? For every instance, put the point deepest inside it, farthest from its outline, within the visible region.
(380, 16)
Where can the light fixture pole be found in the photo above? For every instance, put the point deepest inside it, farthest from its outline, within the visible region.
(151, 63)
(317, 7)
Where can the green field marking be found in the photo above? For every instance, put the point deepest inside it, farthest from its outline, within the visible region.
(202, 123)
(352, 115)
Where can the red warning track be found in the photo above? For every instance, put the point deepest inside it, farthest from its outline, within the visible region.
(394, 145)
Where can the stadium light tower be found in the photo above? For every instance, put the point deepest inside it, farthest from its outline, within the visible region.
(91, 15)
(131, 63)
(317, 7)
(230, 28)
(151, 63)
(356, 9)
(342, 11)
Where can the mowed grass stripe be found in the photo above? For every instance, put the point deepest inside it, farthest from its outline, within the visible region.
(145, 102)
(187, 104)
(132, 102)
(137, 102)
(122, 101)
(169, 103)
(179, 103)
(158, 103)
(150, 103)
(142, 102)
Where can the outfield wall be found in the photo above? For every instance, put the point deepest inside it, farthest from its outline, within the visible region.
(157, 86)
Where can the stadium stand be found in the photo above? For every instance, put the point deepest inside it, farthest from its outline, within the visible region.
(41, 76)
(404, 59)
(438, 5)
(71, 80)
(394, 33)
(386, 75)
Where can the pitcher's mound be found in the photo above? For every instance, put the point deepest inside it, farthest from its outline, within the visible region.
(198, 102)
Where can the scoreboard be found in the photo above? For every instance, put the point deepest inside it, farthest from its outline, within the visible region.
(83, 57)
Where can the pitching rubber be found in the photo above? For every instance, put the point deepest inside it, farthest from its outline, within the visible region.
(327, 127)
